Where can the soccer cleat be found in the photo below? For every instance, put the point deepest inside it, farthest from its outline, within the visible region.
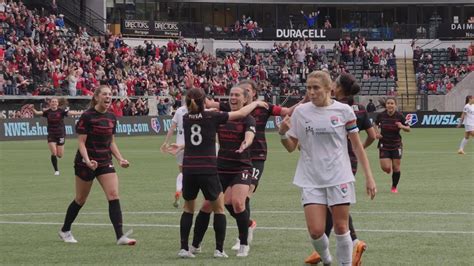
(394, 190)
(460, 151)
(314, 258)
(177, 195)
(194, 250)
(220, 254)
(67, 237)
(236, 246)
(185, 254)
(359, 249)
(252, 227)
(124, 240)
(243, 251)
(56, 173)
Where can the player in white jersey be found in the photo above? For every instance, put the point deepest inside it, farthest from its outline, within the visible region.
(467, 118)
(321, 128)
(177, 124)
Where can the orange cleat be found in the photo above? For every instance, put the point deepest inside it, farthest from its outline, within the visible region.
(359, 249)
(314, 258)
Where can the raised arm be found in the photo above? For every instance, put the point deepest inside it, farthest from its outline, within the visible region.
(36, 112)
(246, 110)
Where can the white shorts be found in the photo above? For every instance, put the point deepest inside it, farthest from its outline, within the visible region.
(469, 128)
(330, 196)
(179, 157)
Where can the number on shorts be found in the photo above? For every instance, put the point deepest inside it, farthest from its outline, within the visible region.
(399, 152)
(245, 175)
(61, 140)
(196, 137)
(255, 173)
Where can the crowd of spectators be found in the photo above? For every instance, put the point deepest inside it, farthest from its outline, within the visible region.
(438, 71)
(246, 27)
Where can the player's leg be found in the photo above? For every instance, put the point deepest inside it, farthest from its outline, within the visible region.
(191, 186)
(464, 141)
(212, 190)
(396, 173)
(341, 229)
(239, 195)
(385, 161)
(54, 156)
(179, 186)
(200, 226)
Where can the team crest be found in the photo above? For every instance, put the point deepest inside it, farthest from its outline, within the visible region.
(344, 188)
(334, 120)
(411, 119)
(155, 125)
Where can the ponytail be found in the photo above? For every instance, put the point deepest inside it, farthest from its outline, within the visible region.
(195, 101)
(348, 84)
(193, 107)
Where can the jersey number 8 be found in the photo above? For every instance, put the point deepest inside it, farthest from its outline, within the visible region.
(196, 137)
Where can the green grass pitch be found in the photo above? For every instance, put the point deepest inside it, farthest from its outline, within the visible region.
(430, 222)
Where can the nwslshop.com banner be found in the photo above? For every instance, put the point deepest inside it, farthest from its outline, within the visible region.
(150, 28)
(429, 119)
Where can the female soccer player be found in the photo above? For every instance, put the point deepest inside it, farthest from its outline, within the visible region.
(199, 166)
(177, 123)
(467, 118)
(235, 173)
(346, 87)
(56, 132)
(323, 173)
(96, 129)
(388, 125)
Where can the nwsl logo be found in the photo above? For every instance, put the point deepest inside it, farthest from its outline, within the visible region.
(411, 119)
(155, 124)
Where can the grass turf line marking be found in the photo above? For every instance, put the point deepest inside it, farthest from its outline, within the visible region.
(234, 227)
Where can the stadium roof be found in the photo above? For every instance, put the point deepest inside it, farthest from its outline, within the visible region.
(340, 2)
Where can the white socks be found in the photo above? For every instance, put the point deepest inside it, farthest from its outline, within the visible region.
(321, 245)
(344, 248)
(463, 143)
(179, 182)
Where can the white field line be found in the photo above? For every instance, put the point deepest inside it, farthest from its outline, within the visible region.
(261, 211)
(260, 227)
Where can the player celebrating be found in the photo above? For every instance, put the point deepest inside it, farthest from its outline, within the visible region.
(467, 118)
(177, 123)
(199, 166)
(56, 132)
(345, 88)
(323, 173)
(96, 129)
(388, 125)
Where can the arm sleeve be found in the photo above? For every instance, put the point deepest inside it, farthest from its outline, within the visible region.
(224, 107)
(350, 120)
(222, 117)
(45, 113)
(83, 125)
(250, 124)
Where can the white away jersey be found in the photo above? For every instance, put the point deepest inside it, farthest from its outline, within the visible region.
(178, 119)
(469, 114)
(322, 135)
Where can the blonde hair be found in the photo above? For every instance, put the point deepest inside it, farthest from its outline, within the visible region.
(96, 94)
(323, 77)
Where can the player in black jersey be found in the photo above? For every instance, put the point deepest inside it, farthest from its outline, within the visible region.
(234, 167)
(96, 129)
(388, 125)
(56, 132)
(200, 166)
(346, 87)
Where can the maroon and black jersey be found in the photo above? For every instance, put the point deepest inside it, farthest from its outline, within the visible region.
(391, 138)
(258, 150)
(363, 123)
(55, 122)
(231, 136)
(199, 141)
(99, 128)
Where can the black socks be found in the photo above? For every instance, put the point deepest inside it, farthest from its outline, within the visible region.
(54, 161)
(71, 214)
(115, 214)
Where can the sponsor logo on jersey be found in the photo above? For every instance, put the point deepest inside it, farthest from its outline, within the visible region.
(155, 124)
(411, 119)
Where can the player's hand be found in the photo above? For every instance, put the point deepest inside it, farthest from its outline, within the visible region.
(371, 187)
(242, 147)
(174, 148)
(164, 147)
(124, 163)
(284, 126)
(92, 165)
(262, 104)
(378, 136)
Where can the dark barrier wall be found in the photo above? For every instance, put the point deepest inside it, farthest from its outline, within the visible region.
(36, 128)
(429, 119)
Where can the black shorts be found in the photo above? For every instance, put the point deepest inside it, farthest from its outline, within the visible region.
(257, 172)
(58, 140)
(208, 183)
(390, 154)
(87, 174)
(229, 179)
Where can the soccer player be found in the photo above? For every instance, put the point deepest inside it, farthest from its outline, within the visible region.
(467, 118)
(177, 124)
(235, 168)
(56, 132)
(346, 87)
(96, 129)
(199, 166)
(322, 128)
(258, 149)
(388, 125)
